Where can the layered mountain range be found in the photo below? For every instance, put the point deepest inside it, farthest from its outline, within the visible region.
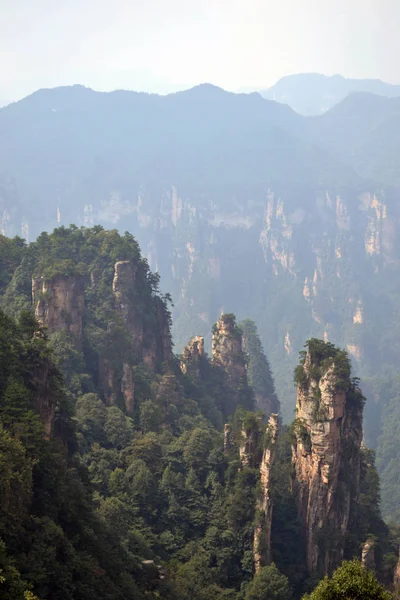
(241, 204)
(314, 93)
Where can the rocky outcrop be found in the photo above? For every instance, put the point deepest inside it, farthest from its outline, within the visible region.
(128, 389)
(150, 339)
(262, 531)
(59, 304)
(163, 335)
(326, 452)
(257, 445)
(46, 394)
(368, 555)
(227, 348)
(249, 445)
(227, 438)
(191, 357)
(123, 286)
(109, 382)
(116, 386)
(146, 321)
(396, 579)
(228, 355)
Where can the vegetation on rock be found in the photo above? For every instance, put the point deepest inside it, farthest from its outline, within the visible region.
(115, 482)
(351, 581)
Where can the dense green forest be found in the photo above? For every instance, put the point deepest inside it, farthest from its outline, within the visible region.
(117, 481)
(242, 206)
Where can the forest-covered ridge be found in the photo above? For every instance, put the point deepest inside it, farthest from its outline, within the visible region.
(141, 474)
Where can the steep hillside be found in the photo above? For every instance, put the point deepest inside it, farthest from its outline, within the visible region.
(363, 130)
(129, 472)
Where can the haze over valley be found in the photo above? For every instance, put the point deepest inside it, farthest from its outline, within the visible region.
(200, 301)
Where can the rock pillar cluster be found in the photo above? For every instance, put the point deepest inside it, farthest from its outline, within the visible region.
(257, 451)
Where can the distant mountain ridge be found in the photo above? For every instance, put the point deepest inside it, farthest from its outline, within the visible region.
(314, 93)
(240, 203)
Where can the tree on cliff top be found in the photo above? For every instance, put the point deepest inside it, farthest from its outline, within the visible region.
(259, 371)
(351, 581)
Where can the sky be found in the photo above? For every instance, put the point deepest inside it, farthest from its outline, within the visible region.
(165, 45)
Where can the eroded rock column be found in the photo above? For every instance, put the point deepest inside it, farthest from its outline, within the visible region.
(326, 452)
(262, 531)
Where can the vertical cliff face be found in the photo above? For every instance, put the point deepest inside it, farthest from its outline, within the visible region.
(108, 381)
(126, 281)
(262, 531)
(45, 396)
(396, 579)
(128, 389)
(192, 356)
(227, 438)
(257, 445)
(150, 338)
(227, 354)
(59, 304)
(163, 333)
(250, 440)
(368, 554)
(115, 384)
(126, 318)
(227, 349)
(147, 327)
(123, 286)
(326, 451)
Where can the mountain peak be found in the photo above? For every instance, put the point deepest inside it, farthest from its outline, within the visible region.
(204, 90)
(314, 93)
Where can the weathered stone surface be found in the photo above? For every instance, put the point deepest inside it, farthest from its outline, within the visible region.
(59, 304)
(164, 339)
(368, 555)
(128, 389)
(125, 272)
(326, 457)
(192, 355)
(262, 531)
(108, 381)
(151, 342)
(227, 348)
(249, 444)
(227, 438)
(396, 579)
(228, 355)
(45, 401)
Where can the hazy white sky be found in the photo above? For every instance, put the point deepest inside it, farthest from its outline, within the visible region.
(162, 45)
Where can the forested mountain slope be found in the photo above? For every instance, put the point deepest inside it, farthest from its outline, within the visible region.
(130, 472)
(241, 205)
